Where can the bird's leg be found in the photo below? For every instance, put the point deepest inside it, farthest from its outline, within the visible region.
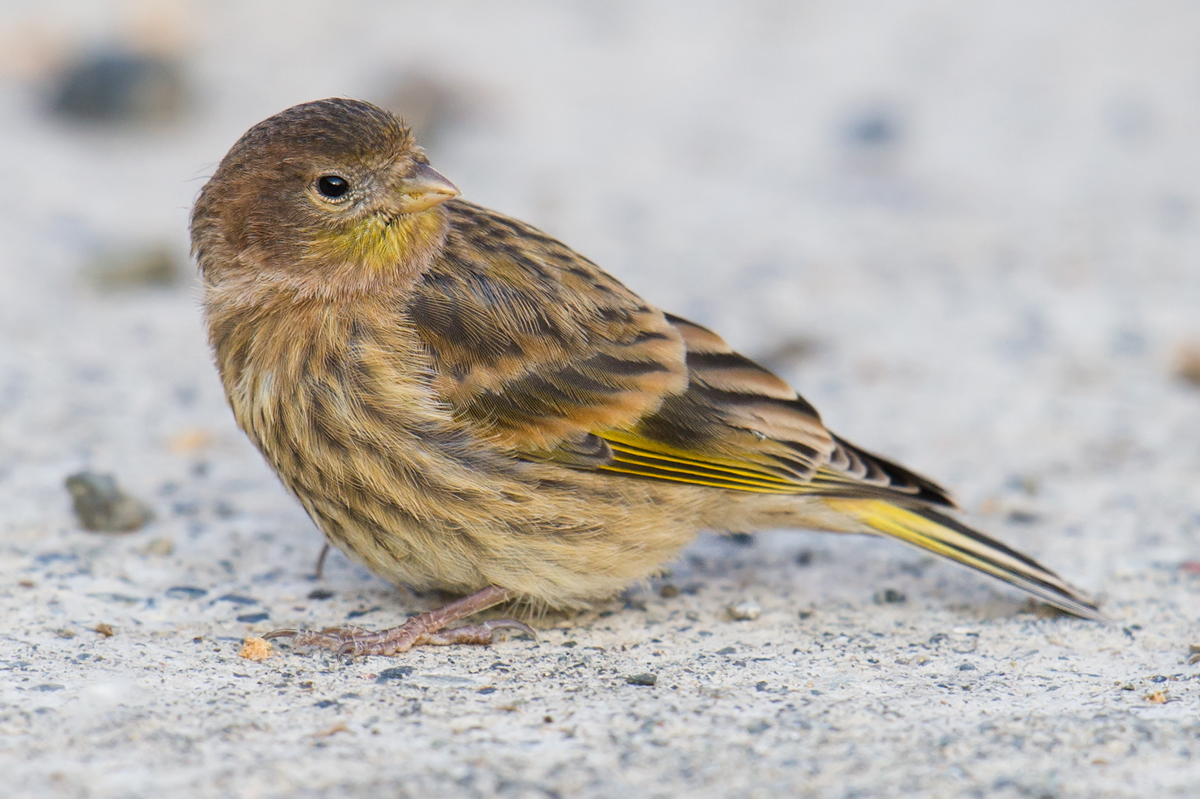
(321, 561)
(425, 628)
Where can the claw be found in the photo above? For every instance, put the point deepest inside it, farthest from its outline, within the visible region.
(282, 634)
(511, 624)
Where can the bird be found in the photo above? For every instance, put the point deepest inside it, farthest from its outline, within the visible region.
(462, 403)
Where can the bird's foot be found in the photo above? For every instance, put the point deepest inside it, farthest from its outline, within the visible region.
(424, 629)
(355, 641)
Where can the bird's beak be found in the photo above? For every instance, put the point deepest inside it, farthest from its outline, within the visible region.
(423, 188)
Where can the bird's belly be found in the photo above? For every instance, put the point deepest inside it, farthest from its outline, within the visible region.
(562, 542)
(395, 482)
(414, 508)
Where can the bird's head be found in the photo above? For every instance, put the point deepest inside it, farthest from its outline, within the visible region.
(328, 188)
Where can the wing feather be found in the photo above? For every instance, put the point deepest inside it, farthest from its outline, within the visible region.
(555, 359)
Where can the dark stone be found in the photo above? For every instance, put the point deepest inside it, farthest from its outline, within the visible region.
(394, 673)
(115, 86)
(253, 618)
(872, 128)
(102, 506)
(185, 592)
(236, 599)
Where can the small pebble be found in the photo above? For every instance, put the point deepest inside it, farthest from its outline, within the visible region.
(1194, 651)
(870, 128)
(256, 649)
(102, 506)
(641, 679)
(190, 440)
(890, 596)
(1024, 483)
(394, 673)
(1187, 364)
(105, 630)
(789, 352)
(668, 591)
(236, 599)
(160, 546)
(746, 610)
(185, 592)
(118, 86)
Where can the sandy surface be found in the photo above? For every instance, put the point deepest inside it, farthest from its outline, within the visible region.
(970, 236)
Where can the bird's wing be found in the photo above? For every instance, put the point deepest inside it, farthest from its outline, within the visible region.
(537, 348)
(556, 360)
(739, 426)
(533, 344)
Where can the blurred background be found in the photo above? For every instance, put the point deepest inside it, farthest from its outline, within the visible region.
(968, 233)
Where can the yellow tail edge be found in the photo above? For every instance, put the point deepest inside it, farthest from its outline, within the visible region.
(937, 533)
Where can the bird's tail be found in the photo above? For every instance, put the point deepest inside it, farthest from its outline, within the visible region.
(935, 532)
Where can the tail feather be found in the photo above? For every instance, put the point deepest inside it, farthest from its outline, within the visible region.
(938, 533)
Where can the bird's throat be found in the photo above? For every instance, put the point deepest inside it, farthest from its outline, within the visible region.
(383, 246)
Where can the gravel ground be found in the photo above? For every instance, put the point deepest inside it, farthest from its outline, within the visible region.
(970, 235)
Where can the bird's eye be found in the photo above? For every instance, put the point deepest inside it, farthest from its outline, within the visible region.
(333, 187)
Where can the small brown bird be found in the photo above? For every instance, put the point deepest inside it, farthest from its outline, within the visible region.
(464, 403)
